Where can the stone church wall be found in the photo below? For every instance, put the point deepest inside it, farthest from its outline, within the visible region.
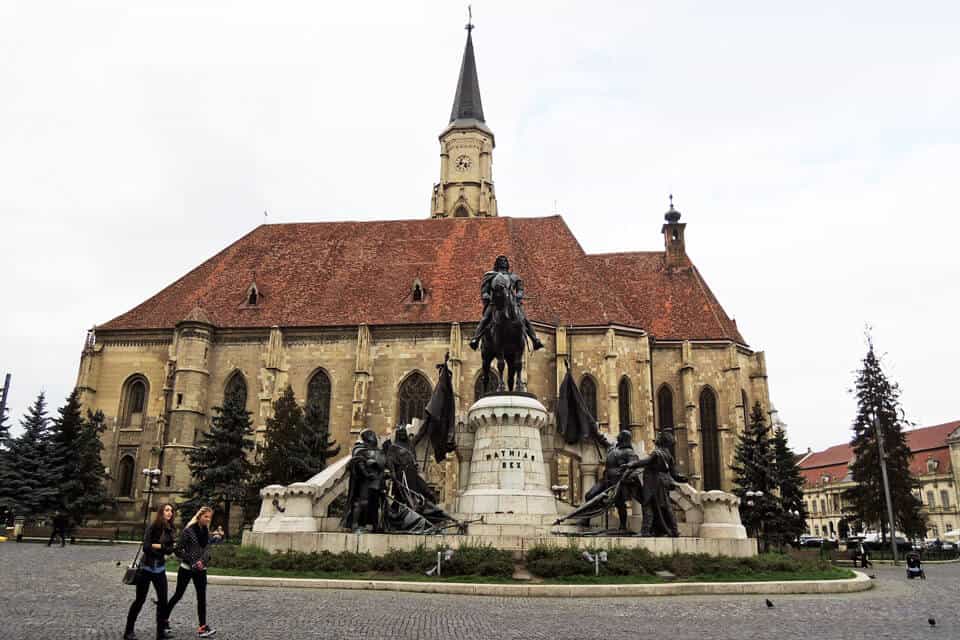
(367, 366)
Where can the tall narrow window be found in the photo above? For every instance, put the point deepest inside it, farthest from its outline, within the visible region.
(588, 389)
(709, 440)
(745, 408)
(318, 396)
(623, 402)
(125, 477)
(134, 401)
(236, 386)
(665, 411)
(944, 499)
(479, 390)
(412, 398)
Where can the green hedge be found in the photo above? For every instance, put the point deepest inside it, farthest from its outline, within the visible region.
(564, 561)
(466, 561)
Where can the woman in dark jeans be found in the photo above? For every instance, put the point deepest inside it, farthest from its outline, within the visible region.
(194, 554)
(157, 543)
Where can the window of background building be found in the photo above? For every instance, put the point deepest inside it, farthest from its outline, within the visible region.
(413, 397)
(588, 389)
(944, 499)
(930, 500)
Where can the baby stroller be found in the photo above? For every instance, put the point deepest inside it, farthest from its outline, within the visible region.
(914, 569)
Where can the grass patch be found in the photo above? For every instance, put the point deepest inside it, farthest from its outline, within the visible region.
(550, 564)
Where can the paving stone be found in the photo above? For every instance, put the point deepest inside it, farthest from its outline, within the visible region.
(75, 592)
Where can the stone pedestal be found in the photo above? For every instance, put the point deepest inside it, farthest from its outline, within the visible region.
(508, 474)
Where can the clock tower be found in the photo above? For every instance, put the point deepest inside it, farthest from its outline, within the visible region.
(465, 189)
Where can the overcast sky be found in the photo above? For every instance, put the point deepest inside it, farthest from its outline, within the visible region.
(813, 150)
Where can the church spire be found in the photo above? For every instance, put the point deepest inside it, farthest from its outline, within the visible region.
(466, 102)
(466, 189)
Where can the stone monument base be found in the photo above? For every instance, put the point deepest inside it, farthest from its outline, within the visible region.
(379, 544)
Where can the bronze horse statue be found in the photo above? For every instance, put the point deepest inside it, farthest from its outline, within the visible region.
(504, 338)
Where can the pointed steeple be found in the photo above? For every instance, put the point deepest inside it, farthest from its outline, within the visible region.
(466, 102)
(466, 189)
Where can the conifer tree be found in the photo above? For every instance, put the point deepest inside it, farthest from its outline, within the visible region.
(792, 518)
(221, 470)
(753, 467)
(64, 436)
(878, 406)
(28, 487)
(90, 495)
(4, 430)
(4, 447)
(316, 447)
(281, 438)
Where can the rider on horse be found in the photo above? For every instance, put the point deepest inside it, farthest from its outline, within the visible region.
(502, 265)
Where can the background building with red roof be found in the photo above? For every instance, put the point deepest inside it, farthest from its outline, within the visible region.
(934, 463)
(355, 315)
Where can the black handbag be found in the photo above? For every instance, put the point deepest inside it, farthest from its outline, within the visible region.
(132, 574)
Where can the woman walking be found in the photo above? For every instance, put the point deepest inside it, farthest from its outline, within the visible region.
(194, 557)
(157, 543)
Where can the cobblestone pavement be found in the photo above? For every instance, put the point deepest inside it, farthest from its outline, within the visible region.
(75, 592)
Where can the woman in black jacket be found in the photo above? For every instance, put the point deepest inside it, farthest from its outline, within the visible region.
(194, 554)
(157, 543)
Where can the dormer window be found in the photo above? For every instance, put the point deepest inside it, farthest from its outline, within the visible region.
(932, 465)
(825, 479)
(418, 293)
(252, 297)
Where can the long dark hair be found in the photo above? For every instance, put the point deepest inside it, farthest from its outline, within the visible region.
(159, 520)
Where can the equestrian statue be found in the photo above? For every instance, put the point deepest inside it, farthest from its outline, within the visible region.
(504, 327)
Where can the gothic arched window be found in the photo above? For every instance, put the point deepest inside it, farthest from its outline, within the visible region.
(412, 398)
(588, 389)
(461, 212)
(318, 396)
(745, 409)
(709, 440)
(623, 402)
(665, 411)
(134, 403)
(492, 384)
(236, 386)
(125, 477)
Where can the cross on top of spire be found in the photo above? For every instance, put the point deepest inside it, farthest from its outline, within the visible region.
(466, 102)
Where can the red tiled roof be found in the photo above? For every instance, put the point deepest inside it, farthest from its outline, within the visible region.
(813, 477)
(924, 443)
(348, 273)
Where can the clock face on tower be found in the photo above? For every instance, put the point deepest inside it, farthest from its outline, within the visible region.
(463, 163)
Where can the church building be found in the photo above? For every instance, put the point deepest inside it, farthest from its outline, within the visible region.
(355, 316)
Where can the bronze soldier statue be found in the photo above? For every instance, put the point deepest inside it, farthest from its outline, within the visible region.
(620, 463)
(367, 482)
(659, 477)
(502, 265)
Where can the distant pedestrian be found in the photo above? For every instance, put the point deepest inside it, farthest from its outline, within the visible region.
(60, 524)
(864, 556)
(194, 553)
(157, 544)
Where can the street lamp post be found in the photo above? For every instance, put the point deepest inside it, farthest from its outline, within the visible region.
(152, 477)
(886, 485)
(750, 503)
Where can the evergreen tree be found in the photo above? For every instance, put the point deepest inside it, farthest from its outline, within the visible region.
(4, 430)
(791, 521)
(282, 436)
(90, 495)
(753, 467)
(5, 511)
(878, 405)
(28, 488)
(221, 470)
(316, 447)
(64, 436)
